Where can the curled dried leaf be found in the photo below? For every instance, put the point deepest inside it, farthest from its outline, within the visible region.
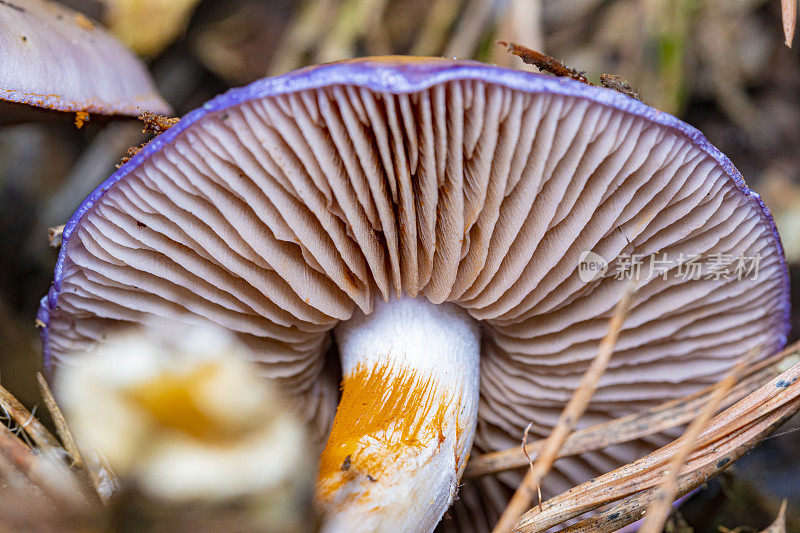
(543, 62)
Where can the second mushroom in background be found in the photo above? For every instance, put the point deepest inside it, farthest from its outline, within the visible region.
(56, 58)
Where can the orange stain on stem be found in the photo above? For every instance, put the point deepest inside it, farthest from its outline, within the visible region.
(384, 414)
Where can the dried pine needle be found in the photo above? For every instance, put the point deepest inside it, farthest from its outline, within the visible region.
(566, 423)
(658, 509)
(789, 16)
(655, 420)
(27, 421)
(728, 436)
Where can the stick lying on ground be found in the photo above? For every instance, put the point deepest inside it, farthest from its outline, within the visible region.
(727, 437)
(543, 62)
(658, 508)
(655, 420)
(569, 417)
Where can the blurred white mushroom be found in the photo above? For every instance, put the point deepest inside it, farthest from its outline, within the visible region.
(181, 416)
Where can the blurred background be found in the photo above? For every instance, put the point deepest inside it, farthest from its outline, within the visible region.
(720, 65)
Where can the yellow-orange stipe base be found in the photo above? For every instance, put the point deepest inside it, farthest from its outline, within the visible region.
(386, 417)
(405, 422)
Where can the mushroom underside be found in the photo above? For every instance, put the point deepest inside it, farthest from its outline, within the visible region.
(281, 216)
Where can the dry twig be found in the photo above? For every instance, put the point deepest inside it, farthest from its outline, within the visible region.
(654, 420)
(25, 419)
(727, 437)
(78, 463)
(779, 525)
(569, 417)
(525, 445)
(658, 509)
(544, 62)
(60, 422)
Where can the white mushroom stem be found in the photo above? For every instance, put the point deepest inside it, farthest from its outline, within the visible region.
(405, 423)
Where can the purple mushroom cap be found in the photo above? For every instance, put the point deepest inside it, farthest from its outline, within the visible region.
(277, 209)
(55, 58)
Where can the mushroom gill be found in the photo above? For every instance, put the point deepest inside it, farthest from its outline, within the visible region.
(449, 192)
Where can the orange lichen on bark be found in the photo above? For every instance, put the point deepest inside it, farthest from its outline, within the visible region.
(384, 415)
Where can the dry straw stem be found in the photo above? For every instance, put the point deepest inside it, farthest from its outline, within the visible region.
(658, 509)
(779, 525)
(654, 420)
(521, 23)
(351, 23)
(78, 464)
(60, 422)
(566, 423)
(27, 421)
(727, 437)
(470, 28)
(309, 24)
(16, 454)
(439, 19)
(789, 15)
(19, 460)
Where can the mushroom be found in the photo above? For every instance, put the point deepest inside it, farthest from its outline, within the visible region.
(458, 230)
(55, 58)
(181, 420)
